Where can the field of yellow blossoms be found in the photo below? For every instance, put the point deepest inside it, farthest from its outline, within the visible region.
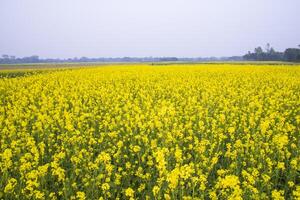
(151, 132)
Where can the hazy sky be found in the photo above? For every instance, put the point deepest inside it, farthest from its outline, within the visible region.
(117, 28)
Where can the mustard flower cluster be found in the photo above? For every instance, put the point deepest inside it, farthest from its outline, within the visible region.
(151, 132)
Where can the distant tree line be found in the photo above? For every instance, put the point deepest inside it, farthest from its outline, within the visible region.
(268, 54)
(290, 54)
(7, 59)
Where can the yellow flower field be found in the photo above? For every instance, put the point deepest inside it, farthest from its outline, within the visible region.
(151, 132)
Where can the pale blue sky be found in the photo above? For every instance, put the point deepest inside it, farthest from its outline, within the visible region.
(117, 28)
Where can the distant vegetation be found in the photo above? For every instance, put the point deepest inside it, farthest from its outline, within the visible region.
(7, 59)
(290, 54)
(269, 54)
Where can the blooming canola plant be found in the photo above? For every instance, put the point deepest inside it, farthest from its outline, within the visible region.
(151, 132)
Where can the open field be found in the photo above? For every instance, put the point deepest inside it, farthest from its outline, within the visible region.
(217, 131)
(29, 66)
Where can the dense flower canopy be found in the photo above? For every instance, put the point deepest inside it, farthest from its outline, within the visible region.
(151, 132)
